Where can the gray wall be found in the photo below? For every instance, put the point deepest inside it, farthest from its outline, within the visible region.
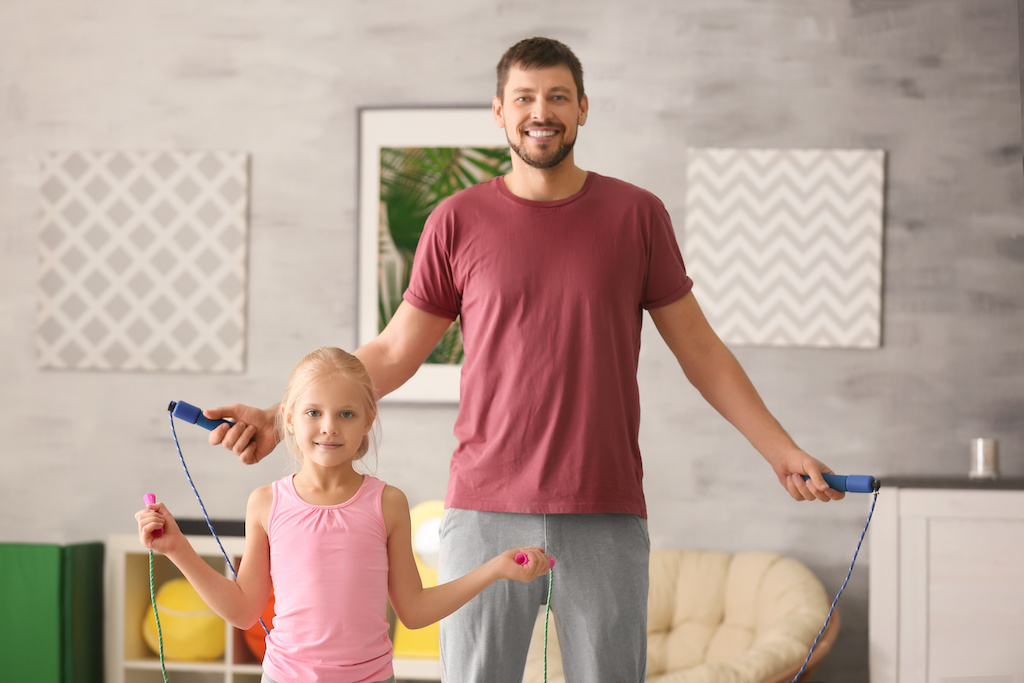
(933, 82)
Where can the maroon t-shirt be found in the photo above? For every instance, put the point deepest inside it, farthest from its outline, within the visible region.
(551, 298)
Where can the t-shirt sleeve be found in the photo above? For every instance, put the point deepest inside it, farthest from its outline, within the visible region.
(432, 287)
(667, 280)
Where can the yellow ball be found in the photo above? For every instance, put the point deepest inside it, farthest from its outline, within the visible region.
(191, 631)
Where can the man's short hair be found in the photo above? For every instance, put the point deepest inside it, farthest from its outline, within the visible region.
(539, 52)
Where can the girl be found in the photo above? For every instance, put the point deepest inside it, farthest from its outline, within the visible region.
(333, 543)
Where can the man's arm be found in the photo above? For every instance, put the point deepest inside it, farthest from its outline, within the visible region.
(713, 370)
(398, 351)
(391, 359)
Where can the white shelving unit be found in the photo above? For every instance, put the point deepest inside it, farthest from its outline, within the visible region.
(417, 669)
(128, 658)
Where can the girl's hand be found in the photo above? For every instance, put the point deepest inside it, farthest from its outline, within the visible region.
(153, 519)
(536, 566)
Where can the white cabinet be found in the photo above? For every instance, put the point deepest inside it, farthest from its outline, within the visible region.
(946, 600)
(128, 658)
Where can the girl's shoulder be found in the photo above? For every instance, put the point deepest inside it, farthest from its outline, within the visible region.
(394, 506)
(392, 495)
(258, 508)
(261, 498)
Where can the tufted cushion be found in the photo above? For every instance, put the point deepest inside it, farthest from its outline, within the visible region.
(713, 616)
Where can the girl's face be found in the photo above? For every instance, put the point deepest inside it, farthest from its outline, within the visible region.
(329, 420)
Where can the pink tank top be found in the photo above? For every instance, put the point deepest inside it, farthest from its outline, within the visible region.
(329, 566)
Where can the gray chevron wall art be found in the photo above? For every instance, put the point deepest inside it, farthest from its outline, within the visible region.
(142, 261)
(785, 245)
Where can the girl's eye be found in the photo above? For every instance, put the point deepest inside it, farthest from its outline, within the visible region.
(313, 413)
(348, 414)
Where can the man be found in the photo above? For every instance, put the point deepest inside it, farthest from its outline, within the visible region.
(550, 269)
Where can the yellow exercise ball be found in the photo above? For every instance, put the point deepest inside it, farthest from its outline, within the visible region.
(191, 631)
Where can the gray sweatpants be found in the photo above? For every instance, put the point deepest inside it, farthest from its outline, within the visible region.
(598, 599)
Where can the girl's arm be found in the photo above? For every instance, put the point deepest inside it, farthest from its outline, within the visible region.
(417, 606)
(239, 602)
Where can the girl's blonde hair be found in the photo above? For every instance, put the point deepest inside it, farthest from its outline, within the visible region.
(327, 361)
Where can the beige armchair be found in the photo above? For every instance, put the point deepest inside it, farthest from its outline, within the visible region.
(716, 617)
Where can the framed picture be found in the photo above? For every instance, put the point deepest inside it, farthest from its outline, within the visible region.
(409, 160)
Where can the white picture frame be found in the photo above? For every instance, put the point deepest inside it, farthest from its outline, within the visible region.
(382, 129)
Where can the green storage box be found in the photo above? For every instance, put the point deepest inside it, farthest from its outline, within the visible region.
(51, 597)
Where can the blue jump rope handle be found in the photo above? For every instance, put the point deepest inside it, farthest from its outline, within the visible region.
(853, 483)
(189, 413)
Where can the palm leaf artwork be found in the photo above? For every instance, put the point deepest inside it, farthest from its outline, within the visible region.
(413, 181)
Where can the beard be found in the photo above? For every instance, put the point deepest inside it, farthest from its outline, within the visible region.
(546, 158)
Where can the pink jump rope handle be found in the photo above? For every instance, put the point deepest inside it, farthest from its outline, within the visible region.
(521, 558)
(149, 499)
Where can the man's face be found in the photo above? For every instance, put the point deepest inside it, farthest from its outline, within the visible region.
(540, 113)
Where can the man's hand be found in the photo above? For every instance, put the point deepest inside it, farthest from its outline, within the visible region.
(791, 473)
(253, 435)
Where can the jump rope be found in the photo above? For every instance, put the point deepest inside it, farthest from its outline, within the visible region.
(189, 413)
(855, 483)
(193, 415)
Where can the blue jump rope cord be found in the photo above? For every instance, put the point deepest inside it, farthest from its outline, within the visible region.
(206, 516)
(828, 618)
(231, 566)
(874, 499)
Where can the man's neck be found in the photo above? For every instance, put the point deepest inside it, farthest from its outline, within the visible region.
(545, 184)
